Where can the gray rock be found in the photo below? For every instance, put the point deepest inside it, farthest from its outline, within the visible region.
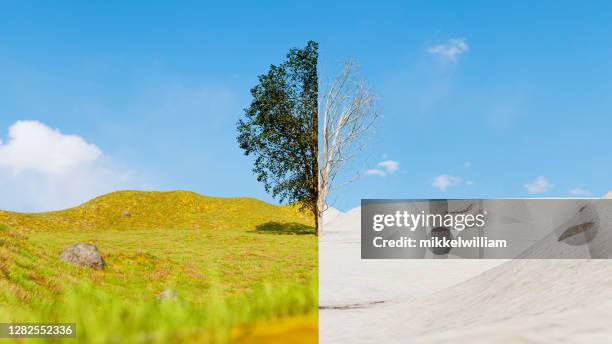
(126, 213)
(85, 255)
(167, 295)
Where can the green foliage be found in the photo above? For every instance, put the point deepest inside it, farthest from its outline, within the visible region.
(3, 227)
(105, 317)
(281, 128)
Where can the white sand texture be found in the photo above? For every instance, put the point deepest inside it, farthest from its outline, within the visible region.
(457, 300)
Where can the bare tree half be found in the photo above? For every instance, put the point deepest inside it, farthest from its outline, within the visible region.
(349, 114)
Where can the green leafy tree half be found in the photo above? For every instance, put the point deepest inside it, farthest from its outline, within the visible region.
(280, 129)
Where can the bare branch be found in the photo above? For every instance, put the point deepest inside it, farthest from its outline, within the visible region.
(349, 115)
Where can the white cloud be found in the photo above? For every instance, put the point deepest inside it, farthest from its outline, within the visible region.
(451, 50)
(390, 165)
(386, 167)
(44, 169)
(375, 172)
(33, 146)
(467, 164)
(444, 181)
(539, 185)
(579, 191)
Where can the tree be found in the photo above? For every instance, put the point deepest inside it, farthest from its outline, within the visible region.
(280, 129)
(349, 108)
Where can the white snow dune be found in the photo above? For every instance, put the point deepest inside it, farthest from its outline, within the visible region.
(458, 301)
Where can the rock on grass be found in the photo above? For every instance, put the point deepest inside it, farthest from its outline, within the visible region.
(167, 295)
(85, 255)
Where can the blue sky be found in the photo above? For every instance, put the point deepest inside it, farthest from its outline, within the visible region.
(479, 99)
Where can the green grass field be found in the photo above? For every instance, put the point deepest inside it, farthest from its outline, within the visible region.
(237, 265)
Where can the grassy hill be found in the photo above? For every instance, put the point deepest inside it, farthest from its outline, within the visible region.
(234, 262)
(170, 210)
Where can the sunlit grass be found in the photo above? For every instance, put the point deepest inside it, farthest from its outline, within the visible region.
(228, 273)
